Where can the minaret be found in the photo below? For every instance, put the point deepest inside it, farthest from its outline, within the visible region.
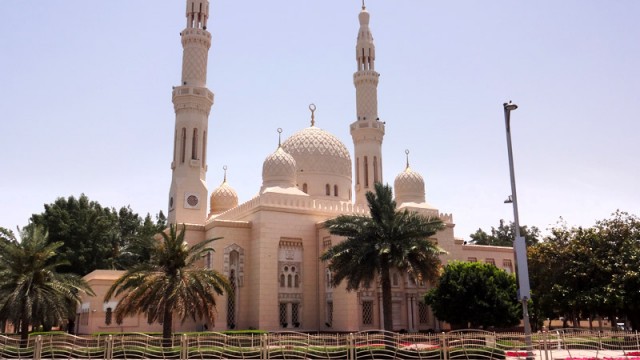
(367, 131)
(192, 102)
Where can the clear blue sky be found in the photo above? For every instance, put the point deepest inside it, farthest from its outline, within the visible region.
(86, 99)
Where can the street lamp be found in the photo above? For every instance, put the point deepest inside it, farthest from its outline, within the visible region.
(519, 244)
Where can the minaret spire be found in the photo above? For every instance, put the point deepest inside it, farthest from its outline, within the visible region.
(367, 131)
(192, 103)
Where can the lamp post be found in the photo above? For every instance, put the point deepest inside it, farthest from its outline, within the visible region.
(519, 244)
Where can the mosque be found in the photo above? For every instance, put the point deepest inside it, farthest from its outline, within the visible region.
(270, 245)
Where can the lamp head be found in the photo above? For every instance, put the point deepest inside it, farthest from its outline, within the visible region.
(510, 106)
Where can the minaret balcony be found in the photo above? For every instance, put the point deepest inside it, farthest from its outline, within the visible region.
(183, 91)
(368, 124)
(199, 32)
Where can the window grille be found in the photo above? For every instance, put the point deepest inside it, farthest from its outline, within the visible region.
(231, 301)
(84, 315)
(108, 316)
(329, 313)
(423, 313)
(295, 314)
(283, 314)
(367, 312)
(508, 267)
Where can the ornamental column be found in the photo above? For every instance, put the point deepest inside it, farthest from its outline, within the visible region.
(192, 103)
(367, 131)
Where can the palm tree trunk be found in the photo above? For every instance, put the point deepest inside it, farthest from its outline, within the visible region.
(167, 324)
(387, 309)
(24, 330)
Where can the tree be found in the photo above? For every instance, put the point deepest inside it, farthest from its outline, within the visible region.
(94, 237)
(503, 235)
(32, 292)
(589, 272)
(548, 262)
(6, 235)
(476, 293)
(169, 284)
(375, 244)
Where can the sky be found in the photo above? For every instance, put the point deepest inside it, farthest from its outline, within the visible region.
(86, 99)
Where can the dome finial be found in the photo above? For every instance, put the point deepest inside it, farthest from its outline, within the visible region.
(279, 136)
(407, 153)
(225, 173)
(363, 7)
(312, 107)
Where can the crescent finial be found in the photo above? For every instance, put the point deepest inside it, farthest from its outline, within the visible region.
(312, 108)
(407, 153)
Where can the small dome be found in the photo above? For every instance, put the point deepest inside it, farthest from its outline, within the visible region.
(222, 199)
(409, 187)
(279, 169)
(318, 152)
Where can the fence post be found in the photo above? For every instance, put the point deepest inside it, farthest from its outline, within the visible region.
(443, 341)
(264, 346)
(350, 347)
(545, 343)
(37, 349)
(184, 347)
(108, 347)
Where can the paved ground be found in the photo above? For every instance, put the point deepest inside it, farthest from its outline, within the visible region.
(582, 354)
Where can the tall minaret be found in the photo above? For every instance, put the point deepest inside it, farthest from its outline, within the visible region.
(367, 131)
(192, 102)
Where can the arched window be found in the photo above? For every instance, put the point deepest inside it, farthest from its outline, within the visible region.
(357, 171)
(289, 280)
(281, 280)
(204, 148)
(175, 145)
(183, 144)
(335, 190)
(194, 145)
(304, 188)
(375, 170)
(296, 281)
(366, 172)
(327, 189)
(108, 315)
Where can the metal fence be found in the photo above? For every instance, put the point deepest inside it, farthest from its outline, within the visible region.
(467, 344)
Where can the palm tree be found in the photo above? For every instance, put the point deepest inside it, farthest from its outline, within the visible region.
(375, 244)
(169, 283)
(31, 291)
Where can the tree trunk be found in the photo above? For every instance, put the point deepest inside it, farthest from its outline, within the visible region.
(387, 309)
(24, 331)
(167, 324)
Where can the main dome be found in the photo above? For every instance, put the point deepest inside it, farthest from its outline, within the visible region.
(318, 152)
